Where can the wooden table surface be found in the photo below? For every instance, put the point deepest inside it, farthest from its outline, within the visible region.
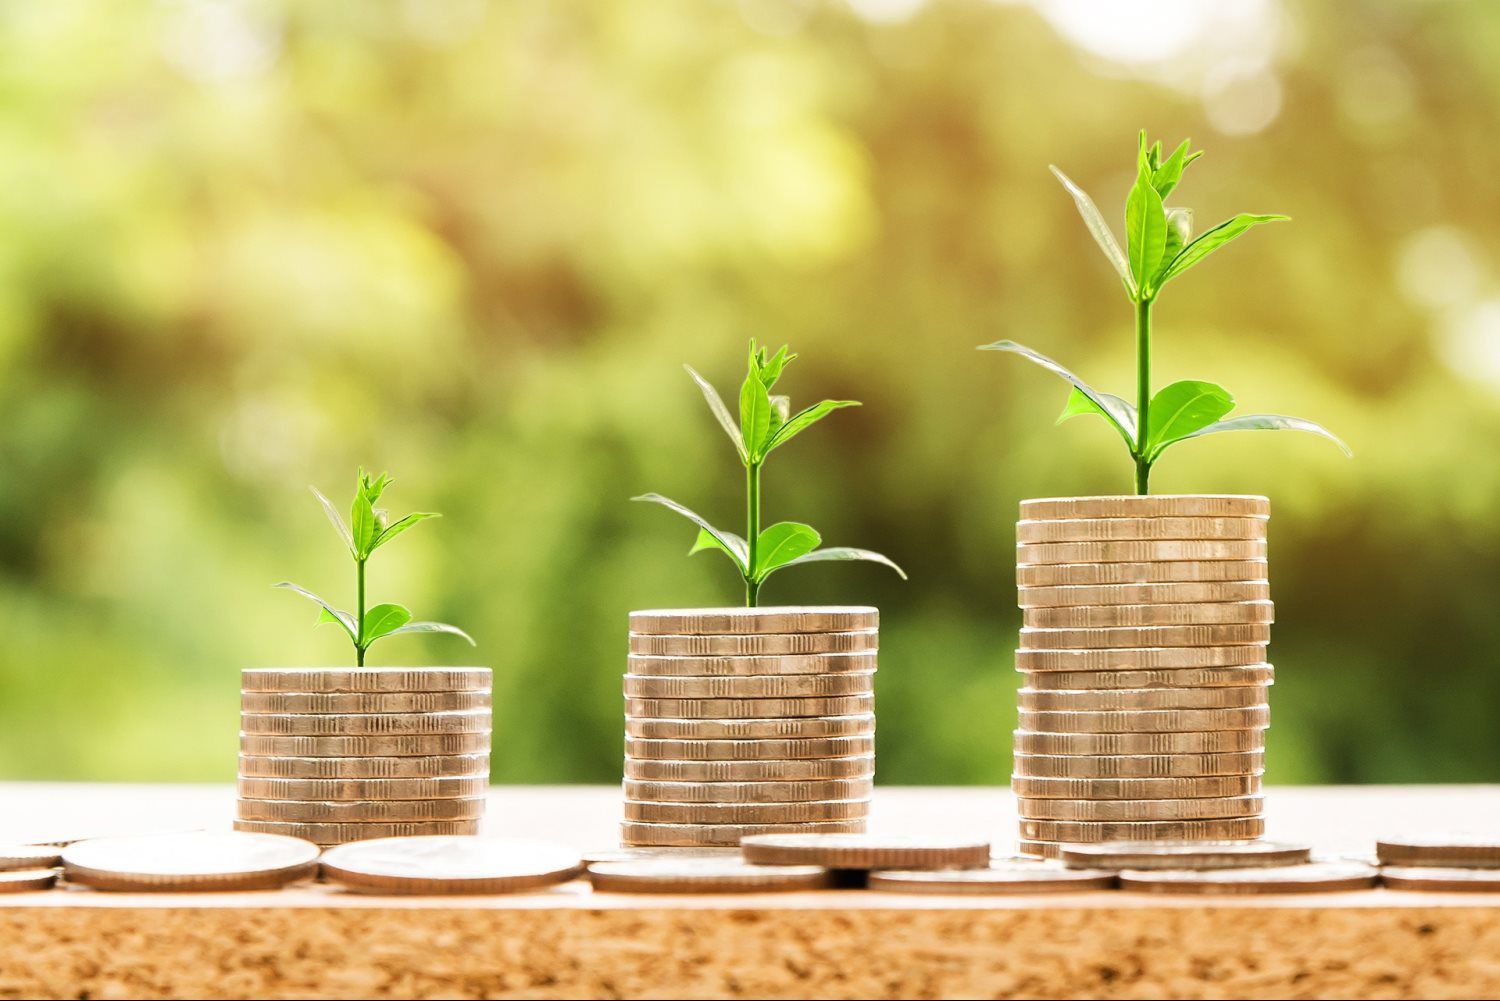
(568, 942)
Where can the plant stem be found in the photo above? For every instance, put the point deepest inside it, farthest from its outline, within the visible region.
(359, 644)
(752, 531)
(1142, 391)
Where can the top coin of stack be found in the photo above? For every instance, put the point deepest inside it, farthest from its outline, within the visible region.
(1145, 624)
(747, 721)
(339, 755)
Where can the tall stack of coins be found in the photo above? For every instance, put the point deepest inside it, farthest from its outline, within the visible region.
(746, 721)
(1145, 625)
(333, 755)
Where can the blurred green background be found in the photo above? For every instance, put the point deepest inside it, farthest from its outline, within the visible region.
(247, 246)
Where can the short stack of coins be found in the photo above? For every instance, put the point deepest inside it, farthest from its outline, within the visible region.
(1143, 644)
(743, 721)
(339, 755)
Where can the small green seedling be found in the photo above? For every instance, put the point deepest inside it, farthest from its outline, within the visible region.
(367, 531)
(766, 423)
(1159, 247)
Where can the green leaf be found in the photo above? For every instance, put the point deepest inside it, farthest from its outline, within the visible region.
(1212, 239)
(803, 420)
(396, 528)
(432, 627)
(1271, 422)
(329, 613)
(1164, 177)
(755, 414)
(335, 517)
(383, 619)
(726, 540)
(781, 543)
(1118, 410)
(1181, 409)
(769, 369)
(1098, 227)
(1119, 413)
(1145, 229)
(731, 545)
(720, 412)
(364, 521)
(841, 553)
(1179, 232)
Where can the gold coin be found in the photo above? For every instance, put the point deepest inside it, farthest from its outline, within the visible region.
(743, 729)
(765, 619)
(379, 745)
(1138, 699)
(361, 702)
(1141, 658)
(1148, 506)
(867, 851)
(1159, 572)
(436, 864)
(1183, 678)
(1039, 850)
(747, 813)
(432, 766)
(1206, 808)
(338, 834)
(1185, 855)
(1312, 877)
(1075, 831)
(1191, 614)
(748, 792)
(1217, 742)
(184, 862)
(1147, 720)
(22, 880)
(1139, 529)
(363, 789)
(1130, 637)
(366, 679)
(1478, 851)
(15, 858)
(756, 644)
(1440, 879)
(358, 812)
(748, 750)
(1159, 551)
(1201, 786)
(748, 708)
(757, 770)
(643, 665)
(706, 876)
(756, 686)
(359, 724)
(1181, 592)
(997, 879)
(1139, 766)
(696, 835)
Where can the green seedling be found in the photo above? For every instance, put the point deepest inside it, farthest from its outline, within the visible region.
(766, 423)
(369, 529)
(1159, 247)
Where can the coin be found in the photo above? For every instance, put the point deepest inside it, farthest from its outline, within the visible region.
(728, 665)
(1311, 877)
(778, 686)
(1039, 850)
(1168, 789)
(867, 851)
(436, 864)
(1190, 614)
(1440, 878)
(1072, 831)
(1216, 742)
(1103, 766)
(1140, 658)
(1082, 595)
(748, 792)
(756, 770)
(756, 644)
(602, 855)
(706, 876)
(421, 767)
(1148, 506)
(23, 857)
(363, 789)
(1159, 572)
(22, 880)
(380, 745)
(765, 619)
(1185, 855)
(183, 862)
(361, 702)
(741, 729)
(843, 705)
(1225, 634)
(748, 750)
(746, 813)
(1184, 678)
(997, 879)
(335, 812)
(1146, 720)
(308, 724)
(1204, 808)
(335, 834)
(686, 835)
(366, 679)
(1138, 529)
(1141, 699)
(1165, 550)
(1479, 851)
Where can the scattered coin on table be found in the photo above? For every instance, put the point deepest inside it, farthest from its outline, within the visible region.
(1441, 878)
(24, 880)
(14, 857)
(1449, 849)
(724, 875)
(190, 862)
(1184, 854)
(1311, 877)
(450, 865)
(866, 851)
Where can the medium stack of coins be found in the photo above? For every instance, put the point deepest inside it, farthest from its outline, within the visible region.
(333, 756)
(748, 721)
(1146, 621)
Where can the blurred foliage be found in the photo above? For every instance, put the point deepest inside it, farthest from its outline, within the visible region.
(245, 247)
